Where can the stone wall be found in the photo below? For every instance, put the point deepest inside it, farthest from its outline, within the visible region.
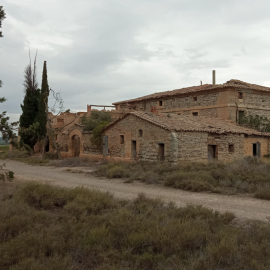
(208, 112)
(192, 146)
(88, 148)
(191, 101)
(147, 146)
(223, 142)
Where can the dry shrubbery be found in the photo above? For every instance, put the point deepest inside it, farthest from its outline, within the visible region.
(249, 175)
(44, 227)
(72, 162)
(24, 156)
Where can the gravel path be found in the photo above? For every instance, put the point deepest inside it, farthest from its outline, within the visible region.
(241, 206)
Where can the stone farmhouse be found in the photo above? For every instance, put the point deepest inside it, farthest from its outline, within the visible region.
(150, 137)
(195, 123)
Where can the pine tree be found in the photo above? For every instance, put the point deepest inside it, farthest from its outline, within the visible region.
(43, 104)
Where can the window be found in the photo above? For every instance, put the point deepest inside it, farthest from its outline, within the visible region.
(122, 139)
(195, 113)
(240, 95)
(241, 115)
(179, 113)
(160, 103)
(231, 148)
(194, 98)
(140, 133)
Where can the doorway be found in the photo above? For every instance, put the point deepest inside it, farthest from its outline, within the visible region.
(161, 152)
(133, 149)
(47, 145)
(256, 149)
(105, 146)
(76, 143)
(212, 152)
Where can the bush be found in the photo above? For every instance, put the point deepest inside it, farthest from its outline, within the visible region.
(44, 227)
(240, 176)
(90, 123)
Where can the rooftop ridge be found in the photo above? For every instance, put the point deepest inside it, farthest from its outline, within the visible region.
(199, 88)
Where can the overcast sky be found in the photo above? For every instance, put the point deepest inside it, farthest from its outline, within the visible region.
(103, 51)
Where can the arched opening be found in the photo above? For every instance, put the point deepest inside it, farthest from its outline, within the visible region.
(76, 145)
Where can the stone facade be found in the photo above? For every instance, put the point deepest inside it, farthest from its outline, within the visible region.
(179, 146)
(147, 142)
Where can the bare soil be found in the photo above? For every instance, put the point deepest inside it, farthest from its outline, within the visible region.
(244, 207)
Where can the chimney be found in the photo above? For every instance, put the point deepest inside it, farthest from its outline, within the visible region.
(214, 77)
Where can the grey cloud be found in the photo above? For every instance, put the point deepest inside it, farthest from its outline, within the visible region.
(105, 51)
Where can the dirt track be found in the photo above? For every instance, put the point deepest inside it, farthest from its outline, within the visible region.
(242, 207)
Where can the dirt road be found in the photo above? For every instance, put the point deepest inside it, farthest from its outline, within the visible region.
(242, 207)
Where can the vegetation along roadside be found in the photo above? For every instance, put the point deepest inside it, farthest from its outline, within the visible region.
(45, 227)
(248, 175)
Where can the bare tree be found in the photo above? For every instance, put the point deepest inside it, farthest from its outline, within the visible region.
(52, 113)
(30, 77)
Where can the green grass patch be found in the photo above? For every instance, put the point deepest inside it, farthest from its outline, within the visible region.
(45, 227)
(249, 175)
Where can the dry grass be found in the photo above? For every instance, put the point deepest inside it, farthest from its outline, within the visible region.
(249, 175)
(23, 156)
(73, 162)
(44, 227)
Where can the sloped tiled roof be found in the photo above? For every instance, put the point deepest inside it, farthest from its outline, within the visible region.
(194, 89)
(174, 122)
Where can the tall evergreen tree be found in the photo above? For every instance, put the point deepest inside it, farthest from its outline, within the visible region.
(31, 100)
(43, 104)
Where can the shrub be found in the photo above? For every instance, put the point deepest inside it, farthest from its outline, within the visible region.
(246, 175)
(92, 230)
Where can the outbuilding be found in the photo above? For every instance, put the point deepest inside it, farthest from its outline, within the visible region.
(175, 138)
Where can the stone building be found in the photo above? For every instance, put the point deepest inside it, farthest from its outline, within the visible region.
(228, 101)
(195, 123)
(175, 138)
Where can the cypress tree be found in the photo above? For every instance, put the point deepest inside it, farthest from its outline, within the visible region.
(43, 103)
(30, 108)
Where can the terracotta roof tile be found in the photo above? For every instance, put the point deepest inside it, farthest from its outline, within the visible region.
(174, 122)
(195, 89)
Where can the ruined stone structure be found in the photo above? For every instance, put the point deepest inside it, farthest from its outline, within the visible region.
(225, 101)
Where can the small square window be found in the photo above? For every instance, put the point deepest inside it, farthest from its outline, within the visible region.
(231, 148)
(122, 139)
(160, 103)
(195, 113)
(140, 133)
(240, 95)
(194, 98)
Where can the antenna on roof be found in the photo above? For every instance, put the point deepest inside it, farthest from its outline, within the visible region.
(214, 77)
(201, 82)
